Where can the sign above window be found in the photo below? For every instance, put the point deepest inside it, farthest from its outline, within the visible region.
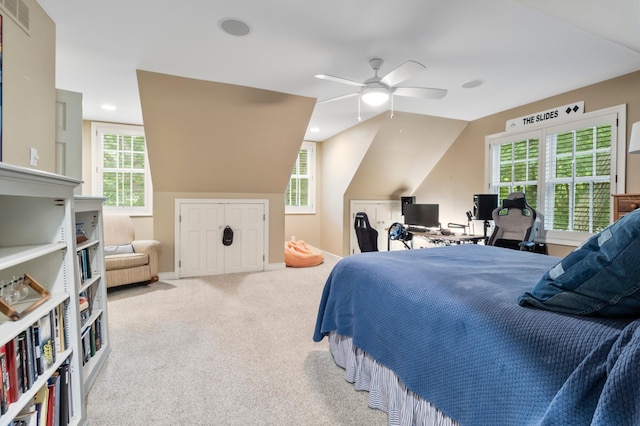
(555, 114)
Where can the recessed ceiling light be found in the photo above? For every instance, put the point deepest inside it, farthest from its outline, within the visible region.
(234, 27)
(472, 83)
(108, 107)
(314, 129)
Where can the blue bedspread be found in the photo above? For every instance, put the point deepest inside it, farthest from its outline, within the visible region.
(447, 321)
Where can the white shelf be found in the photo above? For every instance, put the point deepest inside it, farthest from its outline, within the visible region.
(12, 256)
(88, 210)
(37, 234)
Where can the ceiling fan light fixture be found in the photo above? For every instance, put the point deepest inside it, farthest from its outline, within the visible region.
(375, 96)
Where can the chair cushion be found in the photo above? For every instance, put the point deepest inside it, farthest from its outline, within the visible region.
(601, 277)
(123, 261)
(119, 249)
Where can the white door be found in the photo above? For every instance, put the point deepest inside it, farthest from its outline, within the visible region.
(381, 215)
(201, 231)
(201, 228)
(246, 252)
(69, 135)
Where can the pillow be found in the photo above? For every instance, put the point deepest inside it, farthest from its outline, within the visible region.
(601, 277)
(120, 249)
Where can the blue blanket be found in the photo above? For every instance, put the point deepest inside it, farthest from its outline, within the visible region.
(447, 321)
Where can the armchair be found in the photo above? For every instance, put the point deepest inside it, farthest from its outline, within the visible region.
(127, 260)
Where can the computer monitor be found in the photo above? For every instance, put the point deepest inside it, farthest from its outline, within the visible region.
(427, 215)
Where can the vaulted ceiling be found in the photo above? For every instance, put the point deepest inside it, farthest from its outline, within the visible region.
(519, 50)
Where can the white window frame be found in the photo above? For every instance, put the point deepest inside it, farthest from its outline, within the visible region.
(310, 147)
(98, 128)
(618, 162)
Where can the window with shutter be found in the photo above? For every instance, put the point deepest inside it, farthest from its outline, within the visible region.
(300, 193)
(567, 172)
(122, 168)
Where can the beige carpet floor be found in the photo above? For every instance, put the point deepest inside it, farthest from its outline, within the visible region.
(231, 349)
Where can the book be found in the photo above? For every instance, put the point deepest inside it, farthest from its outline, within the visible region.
(51, 403)
(58, 319)
(54, 382)
(14, 387)
(4, 397)
(65, 393)
(28, 418)
(41, 401)
(47, 343)
(21, 361)
(35, 330)
(86, 346)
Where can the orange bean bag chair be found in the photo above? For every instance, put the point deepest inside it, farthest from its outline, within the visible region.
(299, 254)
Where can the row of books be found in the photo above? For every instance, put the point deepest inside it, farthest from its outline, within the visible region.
(52, 404)
(84, 264)
(27, 356)
(91, 340)
(85, 299)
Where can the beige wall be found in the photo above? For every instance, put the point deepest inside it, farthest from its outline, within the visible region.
(215, 140)
(307, 227)
(28, 98)
(198, 166)
(460, 172)
(380, 159)
(164, 221)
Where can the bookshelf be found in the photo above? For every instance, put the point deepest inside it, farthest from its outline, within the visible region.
(40, 350)
(91, 288)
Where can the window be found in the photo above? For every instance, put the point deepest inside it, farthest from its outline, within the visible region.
(300, 194)
(567, 171)
(122, 169)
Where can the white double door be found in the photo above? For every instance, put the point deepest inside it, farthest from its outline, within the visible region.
(201, 230)
(381, 215)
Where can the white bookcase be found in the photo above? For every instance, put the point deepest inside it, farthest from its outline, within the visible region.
(91, 289)
(38, 238)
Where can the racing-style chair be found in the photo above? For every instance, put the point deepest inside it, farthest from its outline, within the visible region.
(367, 236)
(515, 223)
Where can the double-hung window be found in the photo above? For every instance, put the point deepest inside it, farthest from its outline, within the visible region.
(300, 194)
(567, 171)
(122, 173)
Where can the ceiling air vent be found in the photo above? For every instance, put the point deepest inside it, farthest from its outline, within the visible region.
(18, 11)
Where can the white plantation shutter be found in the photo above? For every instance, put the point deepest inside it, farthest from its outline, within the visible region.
(300, 192)
(578, 176)
(568, 172)
(122, 168)
(515, 167)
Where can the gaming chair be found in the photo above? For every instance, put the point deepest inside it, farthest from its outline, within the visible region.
(367, 236)
(515, 223)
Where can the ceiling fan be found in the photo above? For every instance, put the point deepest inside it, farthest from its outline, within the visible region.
(377, 90)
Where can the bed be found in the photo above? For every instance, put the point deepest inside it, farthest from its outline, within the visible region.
(457, 335)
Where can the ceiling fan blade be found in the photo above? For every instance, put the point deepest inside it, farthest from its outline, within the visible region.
(420, 92)
(402, 73)
(337, 98)
(338, 80)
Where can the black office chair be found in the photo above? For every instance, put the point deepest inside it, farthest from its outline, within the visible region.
(367, 236)
(397, 232)
(515, 223)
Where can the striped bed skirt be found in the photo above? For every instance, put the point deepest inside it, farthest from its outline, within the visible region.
(386, 391)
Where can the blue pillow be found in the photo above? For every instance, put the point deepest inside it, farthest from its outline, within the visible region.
(601, 277)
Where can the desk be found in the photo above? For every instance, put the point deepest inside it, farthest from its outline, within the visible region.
(437, 237)
(440, 239)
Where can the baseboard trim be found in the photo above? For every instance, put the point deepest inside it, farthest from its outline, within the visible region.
(167, 276)
(274, 266)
